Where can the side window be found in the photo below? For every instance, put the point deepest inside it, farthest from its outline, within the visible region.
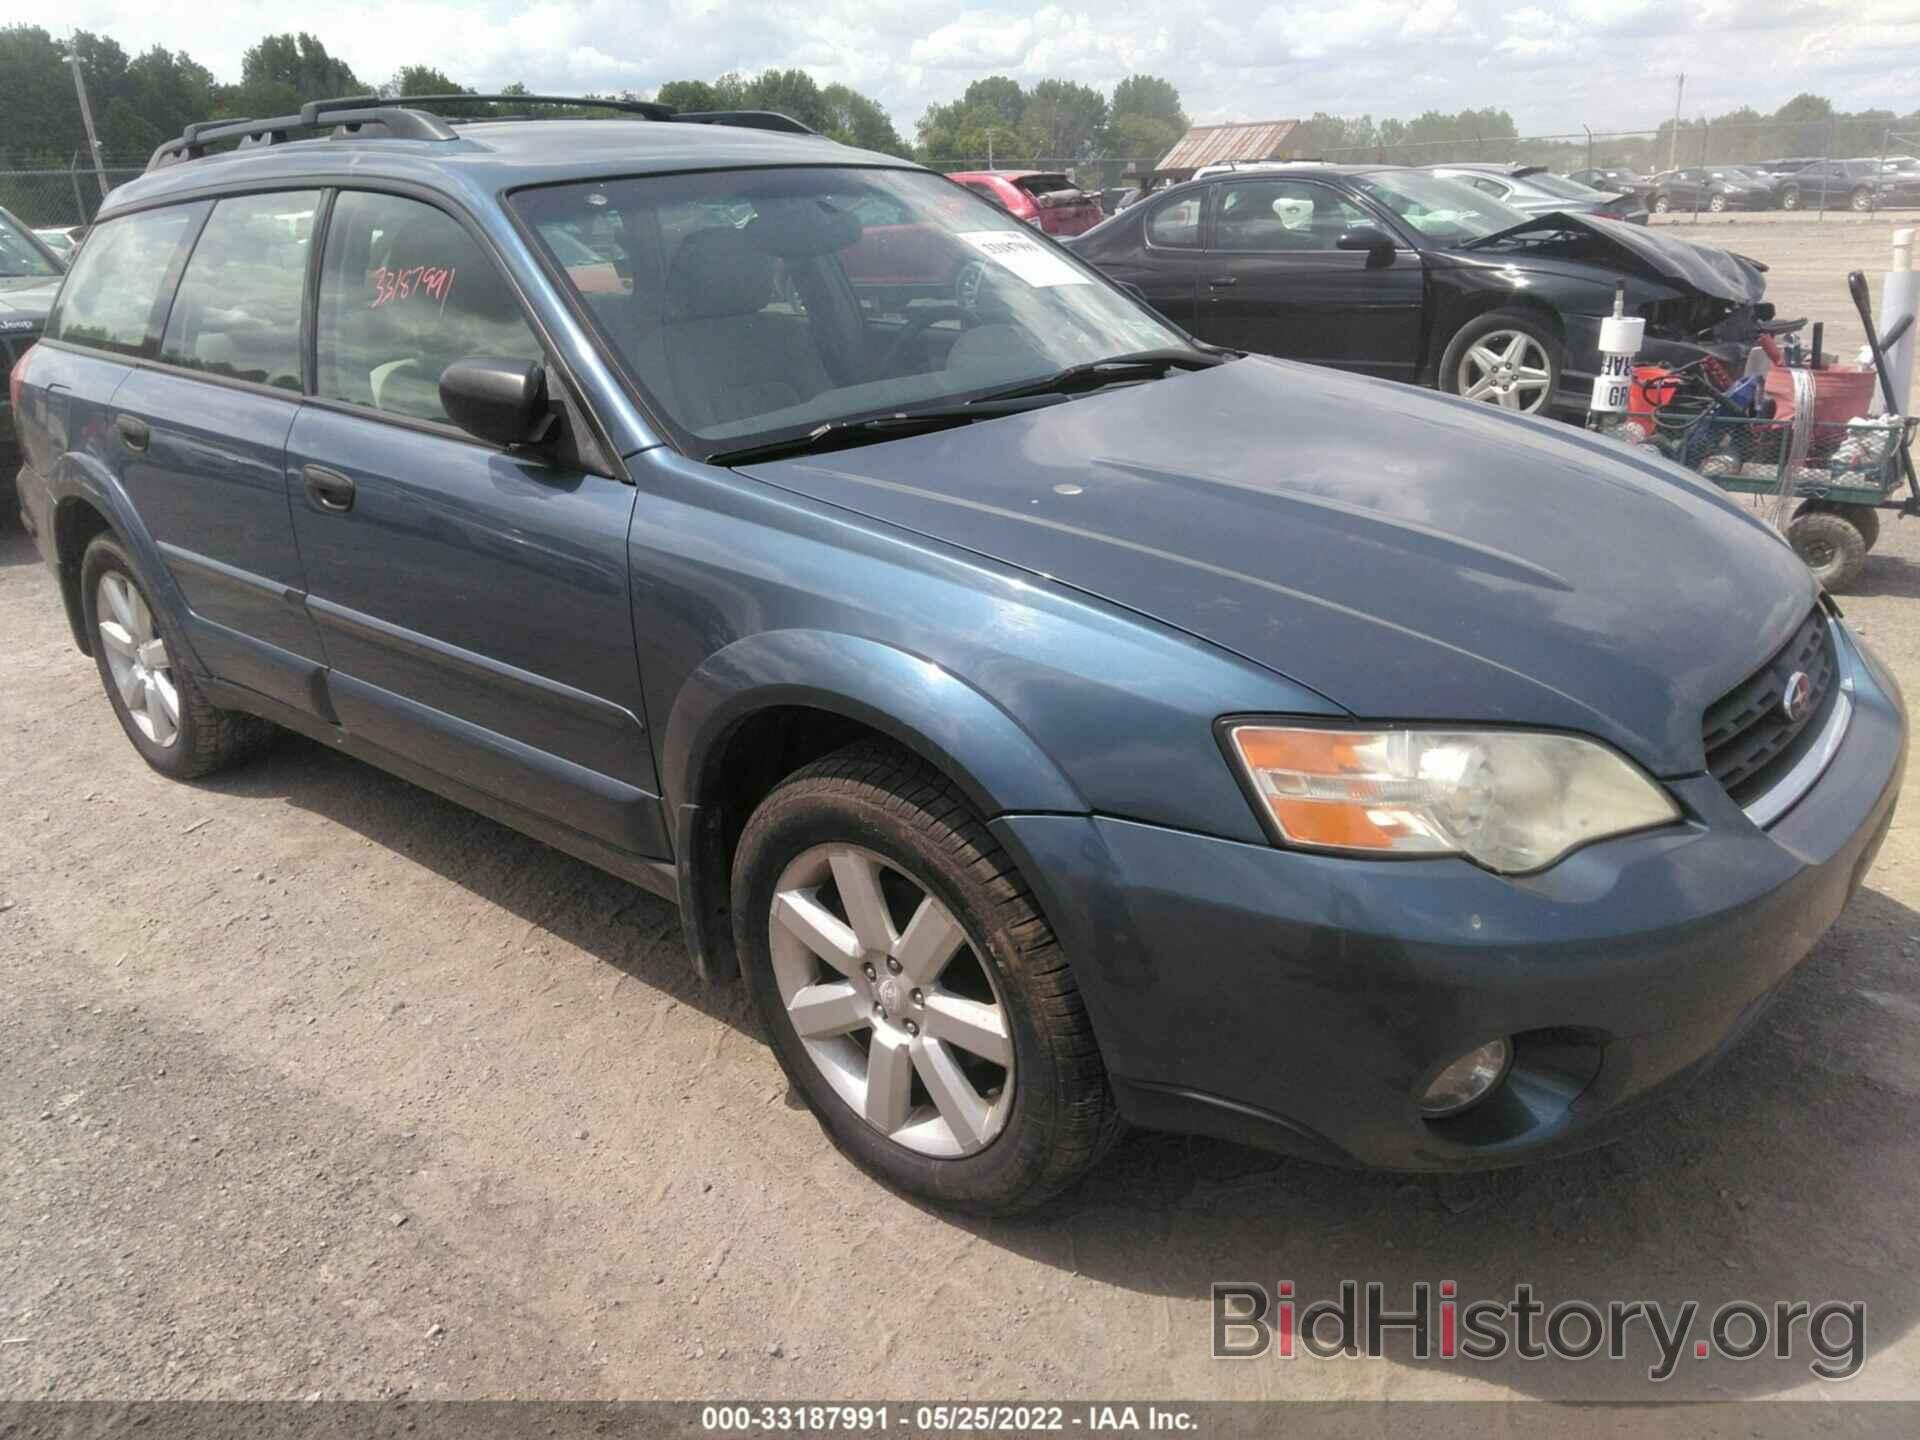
(1283, 215)
(239, 308)
(1176, 224)
(980, 187)
(404, 292)
(116, 289)
(1490, 187)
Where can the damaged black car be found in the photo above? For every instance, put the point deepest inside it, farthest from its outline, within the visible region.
(1411, 276)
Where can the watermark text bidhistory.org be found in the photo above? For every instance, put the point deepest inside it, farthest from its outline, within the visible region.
(1433, 1322)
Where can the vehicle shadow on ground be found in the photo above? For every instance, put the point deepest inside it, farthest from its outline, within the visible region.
(567, 899)
(16, 546)
(1886, 575)
(1784, 1174)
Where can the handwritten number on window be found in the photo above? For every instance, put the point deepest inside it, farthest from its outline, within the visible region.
(433, 281)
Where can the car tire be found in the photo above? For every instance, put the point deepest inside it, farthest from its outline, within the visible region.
(1717, 203)
(1789, 199)
(903, 840)
(1861, 199)
(1831, 546)
(1469, 359)
(156, 699)
(1662, 204)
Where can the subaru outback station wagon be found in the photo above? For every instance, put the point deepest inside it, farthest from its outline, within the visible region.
(1052, 720)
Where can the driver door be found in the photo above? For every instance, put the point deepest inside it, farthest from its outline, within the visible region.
(472, 602)
(1277, 281)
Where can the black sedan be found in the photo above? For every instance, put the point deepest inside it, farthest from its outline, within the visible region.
(1612, 180)
(1711, 187)
(1406, 275)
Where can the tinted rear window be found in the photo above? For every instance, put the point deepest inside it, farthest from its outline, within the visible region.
(112, 298)
(1041, 184)
(239, 312)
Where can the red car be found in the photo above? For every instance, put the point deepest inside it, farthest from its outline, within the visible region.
(1045, 199)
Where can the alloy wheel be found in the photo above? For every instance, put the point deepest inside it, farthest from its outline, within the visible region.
(1790, 200)
(1717, 204)
(1508, 368)
(1661, 205)
(137, 658)
(891, 1002)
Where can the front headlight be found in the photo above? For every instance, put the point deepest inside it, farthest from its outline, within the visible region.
(1510, 800)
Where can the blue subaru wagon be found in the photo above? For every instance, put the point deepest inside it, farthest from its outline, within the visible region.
(1054, 721)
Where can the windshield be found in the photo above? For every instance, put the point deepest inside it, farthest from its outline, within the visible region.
(20, 255)
(1449, 212)
(754, 304)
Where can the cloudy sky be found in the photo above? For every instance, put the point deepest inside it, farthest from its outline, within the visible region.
(1554, 64)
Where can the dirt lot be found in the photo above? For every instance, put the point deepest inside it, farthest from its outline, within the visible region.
(312, 1084)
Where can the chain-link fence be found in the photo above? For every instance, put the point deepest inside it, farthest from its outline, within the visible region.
(47, 199)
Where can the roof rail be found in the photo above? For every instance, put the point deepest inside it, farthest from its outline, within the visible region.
(648, 108)
(407, 117)
(746, 119)
(349, 112)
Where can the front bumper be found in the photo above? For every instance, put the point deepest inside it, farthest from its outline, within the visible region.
(1299, 1001)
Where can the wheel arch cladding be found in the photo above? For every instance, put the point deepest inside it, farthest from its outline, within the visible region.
(769, 704)
(88, 501)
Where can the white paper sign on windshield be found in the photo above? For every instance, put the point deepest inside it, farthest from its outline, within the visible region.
(1024, 256)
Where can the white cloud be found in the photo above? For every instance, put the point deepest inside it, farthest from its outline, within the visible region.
(1553, 64)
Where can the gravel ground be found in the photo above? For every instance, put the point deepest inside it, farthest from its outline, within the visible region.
(313, 1084)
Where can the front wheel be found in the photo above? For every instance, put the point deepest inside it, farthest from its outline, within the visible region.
(1717, 203)
(1790, 200)
(1662, 204)
(1861, 199)
(912, 991)
(1507, 358)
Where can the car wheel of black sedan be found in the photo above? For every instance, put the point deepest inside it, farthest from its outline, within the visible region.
(913, 992)
(1790, 200)
(1662, 204)
(1507, 358)
(1717, 203)
(1861, 199)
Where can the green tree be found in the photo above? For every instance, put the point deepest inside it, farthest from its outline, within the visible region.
(854, 119)
(1071, 118)
(42, 117)
(169, 90)
(422, 80)
(688, 95)
(283, 72)
(1152, 97)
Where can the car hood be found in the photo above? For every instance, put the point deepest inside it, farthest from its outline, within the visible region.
(27, 298)
(1638, 251)
(1407, 555)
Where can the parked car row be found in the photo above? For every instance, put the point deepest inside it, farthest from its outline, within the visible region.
(30, 273)
(1784, 184)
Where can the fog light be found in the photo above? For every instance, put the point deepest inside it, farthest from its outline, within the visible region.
(1467, 1081)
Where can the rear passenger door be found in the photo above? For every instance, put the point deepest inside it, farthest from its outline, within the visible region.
(197, 446)
(206, 430)
(473, 602)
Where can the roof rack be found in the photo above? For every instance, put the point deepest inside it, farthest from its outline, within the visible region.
(746, 120)
(406, 117)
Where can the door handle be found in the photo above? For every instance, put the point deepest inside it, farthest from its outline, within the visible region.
(329, 489)
(134, 433)
(1221, 282)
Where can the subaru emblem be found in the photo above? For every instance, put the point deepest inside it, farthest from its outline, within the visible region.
(1797, 698)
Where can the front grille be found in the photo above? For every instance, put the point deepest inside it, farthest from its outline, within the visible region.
(1749, 740)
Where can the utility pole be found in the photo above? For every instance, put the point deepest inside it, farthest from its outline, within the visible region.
(86, 118)
(1673, 141)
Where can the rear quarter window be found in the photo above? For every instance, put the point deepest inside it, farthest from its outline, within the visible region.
(239, 309)
(114, 298)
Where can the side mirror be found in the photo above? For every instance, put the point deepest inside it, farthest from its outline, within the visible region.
(1380, 249)
(503, 402)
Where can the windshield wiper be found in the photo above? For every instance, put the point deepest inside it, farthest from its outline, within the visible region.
(1092, 374)
(845, 434)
